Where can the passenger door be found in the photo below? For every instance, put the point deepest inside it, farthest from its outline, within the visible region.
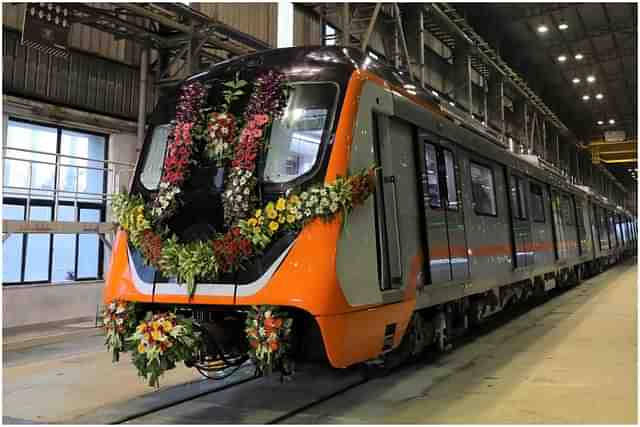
(520, 217)
(444, 216)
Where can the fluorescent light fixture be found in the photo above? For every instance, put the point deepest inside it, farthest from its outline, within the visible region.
(409, 87)
(579, 56)
(373, 55)
(600, 122)
(435, 93)
(543, 29)
(576, 80)
(612, 122)
(562, 58)
(591, 79)
(563, 26)
(585, 97)
(599, 96)
(453, 104)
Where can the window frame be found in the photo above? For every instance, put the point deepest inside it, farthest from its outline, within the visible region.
(439, 205)
(522, 213)
(534, 194)
(34, 201)
(493, 188)
(446, 181)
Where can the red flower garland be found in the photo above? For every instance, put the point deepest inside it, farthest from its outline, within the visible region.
(231, 250)
(179, 154)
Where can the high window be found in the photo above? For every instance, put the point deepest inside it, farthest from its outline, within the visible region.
(518, 198)
(53, 174)
(537, 203)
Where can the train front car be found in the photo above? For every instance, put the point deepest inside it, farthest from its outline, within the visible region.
(324, 274)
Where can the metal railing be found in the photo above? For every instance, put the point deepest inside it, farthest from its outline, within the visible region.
(109, 174)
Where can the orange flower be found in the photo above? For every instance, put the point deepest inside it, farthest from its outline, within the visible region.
(274, 345)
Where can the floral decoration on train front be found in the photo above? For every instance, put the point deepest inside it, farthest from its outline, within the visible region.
(199, 134)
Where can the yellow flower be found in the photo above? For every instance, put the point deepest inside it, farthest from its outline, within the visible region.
(252, 222)
(294, 199)
(281, 204)
(290, 218)
(258, 213)
(141, 347)
(156, 335)
(281, 219)
(271, 212)
(167, 326)
(273, 226)
(141, 327)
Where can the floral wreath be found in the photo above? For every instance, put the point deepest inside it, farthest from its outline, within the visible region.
(268, 330)
(235, 144)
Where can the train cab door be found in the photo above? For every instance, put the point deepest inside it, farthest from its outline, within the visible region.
(446, 236)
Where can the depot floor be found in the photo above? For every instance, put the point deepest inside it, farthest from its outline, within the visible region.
(570, 360)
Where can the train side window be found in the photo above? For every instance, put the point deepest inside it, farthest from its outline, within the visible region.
(433, 177)
(567, 211)
(537, 203)
(483, 186)
(518, 200)
(450, 176)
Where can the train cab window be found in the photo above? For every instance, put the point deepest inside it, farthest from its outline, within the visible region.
(296, 137)
(433, 178)
(518, 199)
(483, 187)
(450, 177)
(537, 203)
(154, 159)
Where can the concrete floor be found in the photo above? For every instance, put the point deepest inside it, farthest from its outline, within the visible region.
(571, 360)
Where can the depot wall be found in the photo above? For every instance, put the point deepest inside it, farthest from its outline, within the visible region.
(24, 305)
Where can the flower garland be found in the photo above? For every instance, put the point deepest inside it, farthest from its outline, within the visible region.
(228, 252)
(268, 332)
(161, 341)
(118, 322)
(267, 103)
(222, 131)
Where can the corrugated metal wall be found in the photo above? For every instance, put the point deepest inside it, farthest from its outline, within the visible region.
(256, 19)
(82, 81)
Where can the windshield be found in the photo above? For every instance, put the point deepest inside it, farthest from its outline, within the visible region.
(296, 138)
(294, 144)
(154, 159)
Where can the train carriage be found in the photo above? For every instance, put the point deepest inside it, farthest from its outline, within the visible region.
(458, 227)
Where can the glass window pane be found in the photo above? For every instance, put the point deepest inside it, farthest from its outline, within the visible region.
(295, 139)
(513, 193)
(88, 175)
(450, 171)
(433, 186)
(12, 247)
(17, 173)
(154, 159)
(537, 203)
(484, 199)
(88, 247)
(37, 254)
(522, 198)
(64, 249)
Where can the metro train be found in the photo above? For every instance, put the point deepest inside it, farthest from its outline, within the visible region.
(459, 226)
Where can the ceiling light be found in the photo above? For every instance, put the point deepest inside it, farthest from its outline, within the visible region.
(562, 58)
(591, 79)
(563, 26)
(435, 93)
(585, 97)
(576, 80)
(612, 122)
(600, 122)
(409, 86)
(599, 96)
(542, 29)
(453, 104)
(579, 56)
